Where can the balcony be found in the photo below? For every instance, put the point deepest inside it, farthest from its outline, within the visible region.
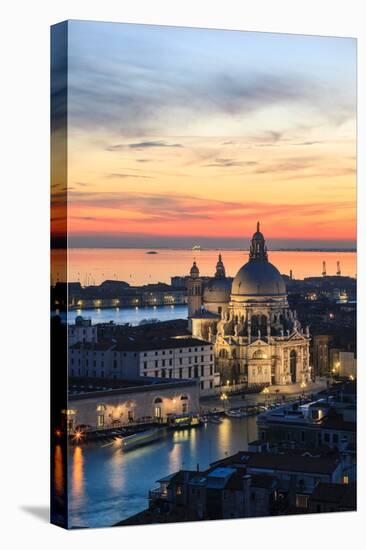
(158, 494)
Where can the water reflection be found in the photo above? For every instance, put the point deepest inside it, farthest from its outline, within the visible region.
(77, 480)
(109, 484)
(58, 472)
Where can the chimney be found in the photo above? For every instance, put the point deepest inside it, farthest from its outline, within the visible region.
(338, 268)
(324, 273)
(291, 274)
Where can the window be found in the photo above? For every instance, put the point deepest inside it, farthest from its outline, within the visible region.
(145, 364)
(201, 385)
(345, 480)
(170, 362)
(180, 373)
(180, 361)
(202, 370)
(202, 358)
(302, 501)
(211, 370)
(211, 384)
(189, 372)
(100, 419)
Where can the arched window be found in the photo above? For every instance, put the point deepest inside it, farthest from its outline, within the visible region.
(293, 361)
(184, 400)
(223, 353)
(101, 408)
(158, 408)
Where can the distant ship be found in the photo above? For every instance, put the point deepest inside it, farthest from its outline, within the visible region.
(152, 252)
(196, 247)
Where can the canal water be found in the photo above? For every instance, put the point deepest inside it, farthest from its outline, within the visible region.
(134, 316)
(107, 485)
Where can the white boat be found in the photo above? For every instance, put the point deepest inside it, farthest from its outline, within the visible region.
(138, 439)
(215, 419)
(234, 413)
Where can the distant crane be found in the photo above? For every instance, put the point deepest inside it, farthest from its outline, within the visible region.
(324, 273)
(338, 268)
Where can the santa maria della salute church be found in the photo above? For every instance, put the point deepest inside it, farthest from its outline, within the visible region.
(257, 338)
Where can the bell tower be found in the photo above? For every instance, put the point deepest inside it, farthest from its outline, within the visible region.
(258, 249)
(194, 287)
(220, 269)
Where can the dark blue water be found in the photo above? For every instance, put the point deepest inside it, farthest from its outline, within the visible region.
(107, 485)
(131, 315)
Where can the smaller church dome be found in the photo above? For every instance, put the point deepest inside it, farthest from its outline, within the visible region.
(194, 270)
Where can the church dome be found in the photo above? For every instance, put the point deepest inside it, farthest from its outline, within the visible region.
(217, 291)
(258, 279)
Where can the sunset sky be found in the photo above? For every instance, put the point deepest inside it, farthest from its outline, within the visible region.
(184, 136)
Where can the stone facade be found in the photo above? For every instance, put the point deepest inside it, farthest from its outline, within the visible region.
(136, 401)
(257, 338)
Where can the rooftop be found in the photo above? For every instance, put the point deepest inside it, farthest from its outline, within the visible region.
(284, 462)
(141, 343)
(85, 388)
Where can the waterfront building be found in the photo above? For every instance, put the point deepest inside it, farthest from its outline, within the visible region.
(120, 294)
(320, 354)
(327, 422)
(246, 484)
(159, 357)
(82, 331)
(257, 338)
(107, 403)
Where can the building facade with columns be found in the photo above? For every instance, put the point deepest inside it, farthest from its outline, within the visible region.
(257, 338)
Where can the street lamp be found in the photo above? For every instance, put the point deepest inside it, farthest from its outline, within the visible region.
(265, 392)
(223, 398)
(303, 385)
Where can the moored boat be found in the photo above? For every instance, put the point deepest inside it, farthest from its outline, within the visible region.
(184, 421)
